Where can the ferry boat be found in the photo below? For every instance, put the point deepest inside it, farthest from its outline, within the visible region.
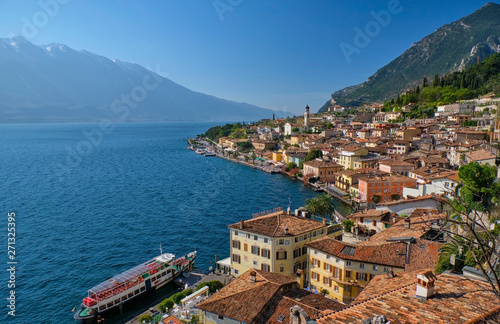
(209, 153)
(148, 276)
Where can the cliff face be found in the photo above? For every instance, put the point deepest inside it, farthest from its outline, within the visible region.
(450, 48)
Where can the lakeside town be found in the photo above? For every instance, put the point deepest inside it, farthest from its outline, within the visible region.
(421, 243)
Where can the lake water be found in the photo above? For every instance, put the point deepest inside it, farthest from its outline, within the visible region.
(91, 202)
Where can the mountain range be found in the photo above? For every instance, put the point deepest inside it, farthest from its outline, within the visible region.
(54, 83)
(450, 48)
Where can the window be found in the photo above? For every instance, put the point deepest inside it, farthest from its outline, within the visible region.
(361, 276)
(236, 271)
(281, 255)
(282, 268)
(375, 267)
(326, 281)
(236, 258)
(326, 266)
(236, 233)
(255, 263)
(316, 263)
(337, 273)
(336, 288)
(266, 240)
(280, 242)
(248, 236)
(287, 242)
(374, 223)
(304, 250)
(255, 250)
(297, 253)
(236, 244)
(255, 237)
(386, 269)
(314, 276)
(265, 267)
(347, 288)
(221, 317)
(266, 253)
(348, 263)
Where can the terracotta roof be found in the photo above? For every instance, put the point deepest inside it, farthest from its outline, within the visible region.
(273, 225)
(407, 200)
(265, 300)
(480, 155)
(315, 305)
(393, 162)
(323, 164)
(171, 319)
(455, 300)
(369, 213)
(420, 223)
(389, 254)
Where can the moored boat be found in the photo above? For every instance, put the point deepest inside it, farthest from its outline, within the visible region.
(128, 285)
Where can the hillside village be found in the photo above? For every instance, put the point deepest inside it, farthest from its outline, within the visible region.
(386, 261)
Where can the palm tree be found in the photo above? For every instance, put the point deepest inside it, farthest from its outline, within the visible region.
(314, 205)
(327, 205)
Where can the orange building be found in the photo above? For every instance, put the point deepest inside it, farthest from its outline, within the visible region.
(383, 186)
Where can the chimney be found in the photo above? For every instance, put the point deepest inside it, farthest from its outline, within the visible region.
(253, 276)
(297, 212)
(286, 230)
(298, 315)
(425, 284)
(407, 223)
(242, 224)
(288, 211)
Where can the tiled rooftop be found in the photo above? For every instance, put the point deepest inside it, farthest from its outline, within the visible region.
(265, 300)
(273, 225)
(389, 254)
(455, 300)
(480, 155)
(420, 223)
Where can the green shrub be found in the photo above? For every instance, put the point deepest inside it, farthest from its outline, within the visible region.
(145, 318)
(180, 295)
(165, 305)
(213, 286)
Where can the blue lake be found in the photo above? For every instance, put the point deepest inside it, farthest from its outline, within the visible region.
(91, 203)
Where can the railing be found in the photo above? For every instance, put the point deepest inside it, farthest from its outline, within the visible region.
(267, 212)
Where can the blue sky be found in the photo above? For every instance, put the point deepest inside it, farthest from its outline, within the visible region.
(280, 54)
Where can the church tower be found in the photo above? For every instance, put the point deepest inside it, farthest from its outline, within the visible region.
(306, 119)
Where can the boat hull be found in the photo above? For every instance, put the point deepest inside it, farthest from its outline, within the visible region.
(87, 314)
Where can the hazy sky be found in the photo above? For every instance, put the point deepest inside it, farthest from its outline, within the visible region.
(279, 54)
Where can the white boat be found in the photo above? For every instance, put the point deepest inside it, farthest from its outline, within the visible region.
(147, 276)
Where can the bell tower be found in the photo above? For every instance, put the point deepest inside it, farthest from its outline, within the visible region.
(306, 119)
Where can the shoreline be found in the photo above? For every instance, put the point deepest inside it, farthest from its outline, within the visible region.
(216, 149)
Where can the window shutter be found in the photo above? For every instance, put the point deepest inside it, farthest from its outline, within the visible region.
(258, 250)
(371, 277)
(319, 264)
(357, 276)
(340, 274)
(245, 247)
(277, 255)
(285, 255)
(333, 270)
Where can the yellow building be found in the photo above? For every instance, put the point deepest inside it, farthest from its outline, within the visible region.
(344, 269)
(274, 242)
(297, 139)
(277, 156)
(349, 157)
